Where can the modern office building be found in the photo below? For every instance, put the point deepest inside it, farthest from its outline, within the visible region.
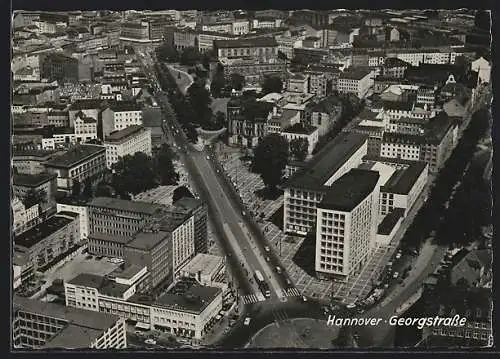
(356, 81)
(42, 325)
(188, 207)
(43, 185)
(49, 239)
(59, 67)
(346, 224)
(127, 141)
(79, 163)
(307, 186)
(120, 217)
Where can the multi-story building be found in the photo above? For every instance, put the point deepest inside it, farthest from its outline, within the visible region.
(85, 128)
(307, 186)
(80, 208)
(309, 133)
(22, 268)
(59, 67)
(426, 95)
(403, 188)
(206, 39)
(324, 114)
(187, 206)
(394, 67)
(78, 164)
(135, 31)
(184, 37)
(30, 161)
(58, 118)
(207, 269)
(24, 218)
(127, 141)
(120, 115)
(49, 239)
(118, 217)
(253, 69)
(42, 325)
(246, 130)
(357, 81)
(174, 312)
(298, 83)
(89, 107)
(262, 48)
(42, 187)
(346, 224)
(433, 145)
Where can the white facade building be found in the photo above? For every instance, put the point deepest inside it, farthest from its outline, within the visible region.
(83, 216)
(127, 141)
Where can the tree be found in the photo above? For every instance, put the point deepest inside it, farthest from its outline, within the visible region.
(166, 52)
(272, 84)
(164, 166)
(237, 81)
(133, 174)
(299, 148)
(218, 83)
(190, 56)
(87, 189)
(220, 119)
(199, 100)
(103, 190)
(76, 189)
(191, 132)
(181, 192)
(270, 159)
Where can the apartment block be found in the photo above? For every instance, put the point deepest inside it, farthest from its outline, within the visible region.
(127, 141)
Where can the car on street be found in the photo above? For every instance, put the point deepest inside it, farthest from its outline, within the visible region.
(150, 341)
(267, 249)
(227, 330)
(247, 321)
(351, 306)
(304, 298)
(288, 282)
(395, 275)
(267, 259)
(208, 157)
(278, 269)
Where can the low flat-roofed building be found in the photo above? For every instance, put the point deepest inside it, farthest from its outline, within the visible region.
(77, 164)
(42, 325)
(403, 188)
(389, 225)
(49, 239)
(346, 224)
(306, 187)
(207, 269)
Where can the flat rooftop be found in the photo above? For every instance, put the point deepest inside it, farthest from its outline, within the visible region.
(127, 272)
(125, 205)
(322, 166)
(403, 180)
(204, 263)
(147, 240)
(32, 180)
(75, 156)
(103, 285)
(387, 225)
(84, 326)
(187, 203)
(350, 190)
(41, 231)
(188, 296)
(119, 136)
(299, 128)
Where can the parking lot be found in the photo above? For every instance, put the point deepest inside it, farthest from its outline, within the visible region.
(81, 263)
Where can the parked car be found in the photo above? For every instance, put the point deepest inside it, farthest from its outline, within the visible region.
(150, 341)
(304, 298)
(395, 275)
(398, 255)
(247, 321)
(267, 248)
(351, 306)
(278, 269)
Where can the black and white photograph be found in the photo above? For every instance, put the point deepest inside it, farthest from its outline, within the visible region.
(251, 180)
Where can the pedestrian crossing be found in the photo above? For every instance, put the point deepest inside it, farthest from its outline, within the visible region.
(291, 292)
(252, 298)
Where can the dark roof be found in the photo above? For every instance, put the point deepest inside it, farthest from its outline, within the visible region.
(86, 104)
(41, 231)
(395, 62)
(187, 295)
(32, 180)
(403, 180)
(327, 105)
(355, 73)
(393, 137)
(102, 284)
(34, 153)
(83, 326)
(118, 136)
(350, 190)
(398, 106)
(124, 205)
(121, 106)
(438, 127)
(147, 240)
(188, 203)
(387, 225)
(253, 42)
(300, 129)
(322, 166)
(74, 156)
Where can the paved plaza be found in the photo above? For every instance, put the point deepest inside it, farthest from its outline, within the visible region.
(357, 287)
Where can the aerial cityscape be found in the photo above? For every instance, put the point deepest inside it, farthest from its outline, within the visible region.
(239, 180)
